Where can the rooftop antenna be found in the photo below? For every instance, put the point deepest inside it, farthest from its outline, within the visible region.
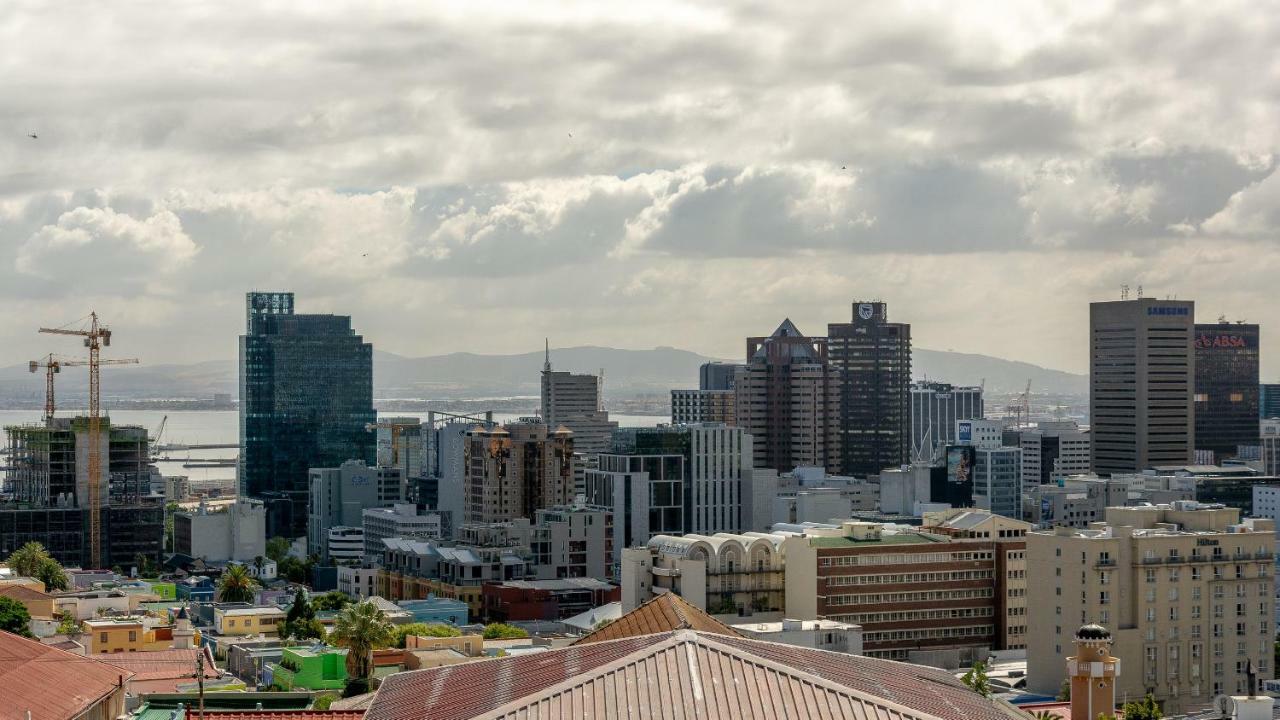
(1124, 292)
(1139, 292)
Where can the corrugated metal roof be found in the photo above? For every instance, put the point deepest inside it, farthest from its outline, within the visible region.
(283, 715)
(48, 682)
(664, 613)
(680, 676)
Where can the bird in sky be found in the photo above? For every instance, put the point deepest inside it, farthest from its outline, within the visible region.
(33, 136)
(843, 167)
(570, 134)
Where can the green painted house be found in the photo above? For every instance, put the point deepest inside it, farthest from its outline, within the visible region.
(310, 668)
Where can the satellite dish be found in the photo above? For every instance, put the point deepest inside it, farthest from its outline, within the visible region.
(1224, 706)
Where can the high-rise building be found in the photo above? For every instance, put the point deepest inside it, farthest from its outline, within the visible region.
(1269, 400)
(306, 395)
(1225, 400)
(338, 497)
(717, 375)
(787, 400)
(1052, 450)
(577, 402)
(1186, 589)
(996, 469)
(935, 409)
(515, 470)
(48, 473)
(712, 402)
(1141, 375)
(683, 478)
(872, 358)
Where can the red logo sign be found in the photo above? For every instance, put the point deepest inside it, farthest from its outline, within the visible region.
(1220, 341)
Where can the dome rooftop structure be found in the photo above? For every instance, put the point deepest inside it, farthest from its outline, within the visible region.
(1093, 631)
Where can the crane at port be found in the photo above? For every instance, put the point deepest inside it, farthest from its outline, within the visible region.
(96, 336)
(52, 365)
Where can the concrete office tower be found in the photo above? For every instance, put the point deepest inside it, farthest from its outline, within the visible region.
(1187, 590)
(1225, 397)
(1053, 450)
(48, 474)
(515, 470)
(717, 376)
(1141, 374)
(787, 400)
(577, 402)
(712, 402)
(339, 496)
(872, 358)
(306, 395)
(935, 409)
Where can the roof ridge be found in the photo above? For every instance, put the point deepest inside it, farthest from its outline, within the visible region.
(684, 638)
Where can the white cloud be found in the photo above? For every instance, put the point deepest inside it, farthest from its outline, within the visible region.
(988, 171)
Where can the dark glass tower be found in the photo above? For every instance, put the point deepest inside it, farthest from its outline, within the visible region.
(872, 357)
(1226, 378)
(306, 394)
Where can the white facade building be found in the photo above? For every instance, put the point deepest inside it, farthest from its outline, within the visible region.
(338, 497)
(817, 634)
(1269, 432)
(399, 520)
(358, 581)
(219, 533)
(344, 545)
(1052, 451)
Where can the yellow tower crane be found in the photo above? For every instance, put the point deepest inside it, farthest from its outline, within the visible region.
(53, 365)
(96, 336)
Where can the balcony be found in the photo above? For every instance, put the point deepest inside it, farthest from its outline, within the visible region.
(1264, 555)
(1152, 560)
(1174, 559)
(1105, 562)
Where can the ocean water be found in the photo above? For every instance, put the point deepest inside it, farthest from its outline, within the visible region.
(222, 427)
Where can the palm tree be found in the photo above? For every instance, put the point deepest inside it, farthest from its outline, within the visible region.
(361, 628)
(236, 585)
(258, 563)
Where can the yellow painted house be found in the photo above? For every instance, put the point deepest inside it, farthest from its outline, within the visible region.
(248, 621)
(124, 634)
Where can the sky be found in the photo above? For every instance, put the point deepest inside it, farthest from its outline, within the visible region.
(476, 176)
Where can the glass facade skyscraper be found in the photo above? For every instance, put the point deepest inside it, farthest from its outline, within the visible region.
(873, 359)
(1225, 399)
(306, 395)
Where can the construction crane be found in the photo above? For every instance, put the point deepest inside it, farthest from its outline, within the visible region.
(395, 429)
(52, 366)
(96, 336)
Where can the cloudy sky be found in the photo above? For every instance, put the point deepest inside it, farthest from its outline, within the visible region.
(475, 176)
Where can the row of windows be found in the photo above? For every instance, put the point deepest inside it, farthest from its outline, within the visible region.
(925, 577)
(905, 558)
(912, 615)
(922, 596)
(923, 634)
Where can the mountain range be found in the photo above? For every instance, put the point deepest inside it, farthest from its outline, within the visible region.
(628, 373)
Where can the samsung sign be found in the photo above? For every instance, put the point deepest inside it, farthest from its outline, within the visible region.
(1167, 310)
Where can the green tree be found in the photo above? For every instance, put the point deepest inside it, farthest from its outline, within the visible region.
(361, 628)
(278, 548)
(300, 623)
(259, 562)
(976, 679)
(67, 625)
(1145, 709)
(503, 631)
(52, 575)
(1064, 690)
(236, 585)
(332, 600)
(424, 630)
(14, 617)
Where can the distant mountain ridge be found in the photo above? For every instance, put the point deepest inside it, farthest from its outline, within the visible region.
(628, 373)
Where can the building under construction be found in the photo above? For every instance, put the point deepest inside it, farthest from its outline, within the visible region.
(50, 504)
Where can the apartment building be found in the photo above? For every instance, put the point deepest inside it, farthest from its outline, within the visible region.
(942, 594)
(513, 470)
(1186, 590)
(1053, 450)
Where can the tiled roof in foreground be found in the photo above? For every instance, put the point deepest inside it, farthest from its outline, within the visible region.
(682, 675)
(50, 683)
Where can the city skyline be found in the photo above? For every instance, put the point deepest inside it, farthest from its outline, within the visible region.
(743, 165)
